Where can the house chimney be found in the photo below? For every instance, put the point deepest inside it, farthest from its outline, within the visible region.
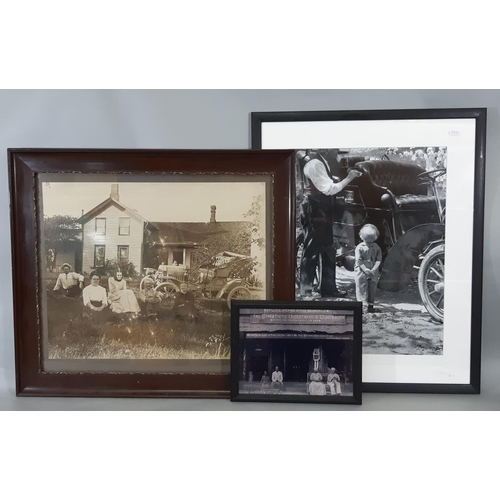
(114, 192)
(212, 214)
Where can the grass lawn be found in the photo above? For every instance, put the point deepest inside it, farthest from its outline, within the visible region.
(73, 336)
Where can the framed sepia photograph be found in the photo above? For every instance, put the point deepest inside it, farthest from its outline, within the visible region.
(383, 200)
(296, 352)
(126, 262)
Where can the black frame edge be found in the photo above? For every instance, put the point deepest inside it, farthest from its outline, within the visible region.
(236, 305)
(479, 114)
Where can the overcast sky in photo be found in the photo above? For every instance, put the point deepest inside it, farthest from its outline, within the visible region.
(159, 201)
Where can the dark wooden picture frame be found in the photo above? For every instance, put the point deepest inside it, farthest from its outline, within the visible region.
(306, 340)
(322, 129)
(25, 168)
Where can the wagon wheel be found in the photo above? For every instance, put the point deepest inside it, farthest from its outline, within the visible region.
(238, 293)
(431, 282)
(168, 290)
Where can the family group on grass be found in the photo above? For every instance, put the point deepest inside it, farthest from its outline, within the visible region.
(118, 301)
(316, 386)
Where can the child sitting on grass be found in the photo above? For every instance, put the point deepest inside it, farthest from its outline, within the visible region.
(150, 299)
(368, 258)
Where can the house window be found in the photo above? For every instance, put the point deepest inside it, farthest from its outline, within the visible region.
(124, 226)
(100, 226)
(123, 253)
(99, 256)
(178, 257)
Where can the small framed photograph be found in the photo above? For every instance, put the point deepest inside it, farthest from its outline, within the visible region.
(126, 263)
(390, 211)
(296, 352)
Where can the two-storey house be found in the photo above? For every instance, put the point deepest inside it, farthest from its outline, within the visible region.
(112, 231)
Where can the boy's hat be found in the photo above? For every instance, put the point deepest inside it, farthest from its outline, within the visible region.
(369, 233)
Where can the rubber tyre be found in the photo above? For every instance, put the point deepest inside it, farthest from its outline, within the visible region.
(168, 290)
(428, 272)
(238, 293)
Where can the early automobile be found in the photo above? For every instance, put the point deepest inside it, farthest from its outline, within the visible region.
(217, 278)
(405, 202)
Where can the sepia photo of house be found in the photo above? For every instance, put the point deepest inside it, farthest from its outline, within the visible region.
(167, 269)
(113, 232)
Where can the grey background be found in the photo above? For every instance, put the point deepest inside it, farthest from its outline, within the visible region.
(205, 119)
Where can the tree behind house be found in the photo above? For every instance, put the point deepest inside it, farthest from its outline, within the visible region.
(58, 229)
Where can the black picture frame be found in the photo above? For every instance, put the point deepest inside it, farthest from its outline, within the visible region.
(338, 341)
(476, 172)
(28, 168)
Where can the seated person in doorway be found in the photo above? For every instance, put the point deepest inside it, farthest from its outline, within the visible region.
(121, 300)
(333, 381)
(265, 381)
(184, 307)
(69, 283)
(150, 299)
(95, 299)
(316, 386)
(277, 379)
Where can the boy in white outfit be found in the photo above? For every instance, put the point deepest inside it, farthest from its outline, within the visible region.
(368, 258)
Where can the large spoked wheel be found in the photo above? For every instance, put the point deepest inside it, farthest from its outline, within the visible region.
(238, 293)
(168, 291)
(431, 282)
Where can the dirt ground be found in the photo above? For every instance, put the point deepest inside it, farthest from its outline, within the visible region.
(400, 325)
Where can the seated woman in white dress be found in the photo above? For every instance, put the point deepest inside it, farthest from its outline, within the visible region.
(95, 299)
(121, 300)
(316, 386)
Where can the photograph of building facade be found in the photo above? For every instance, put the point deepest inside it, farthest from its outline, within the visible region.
(111, 231)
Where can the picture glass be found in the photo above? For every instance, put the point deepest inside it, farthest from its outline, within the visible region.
(137, 273)
(297, 352)
(410, 206)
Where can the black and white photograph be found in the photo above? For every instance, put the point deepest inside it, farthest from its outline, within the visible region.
(370, 226)
(303, 352)
(143, 270)
(378, 192)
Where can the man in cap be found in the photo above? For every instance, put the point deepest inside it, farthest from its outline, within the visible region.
(320, 188)
(184, 307)
(277, 379)
(68, 282)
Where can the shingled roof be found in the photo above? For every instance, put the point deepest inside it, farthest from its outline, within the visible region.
(190, 233)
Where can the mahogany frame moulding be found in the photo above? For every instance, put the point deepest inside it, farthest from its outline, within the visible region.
(25, 166)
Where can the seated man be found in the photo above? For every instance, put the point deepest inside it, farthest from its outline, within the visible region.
(69, 283)
(277, 379)
(184, 307)
(333, 380)
(149, 299)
